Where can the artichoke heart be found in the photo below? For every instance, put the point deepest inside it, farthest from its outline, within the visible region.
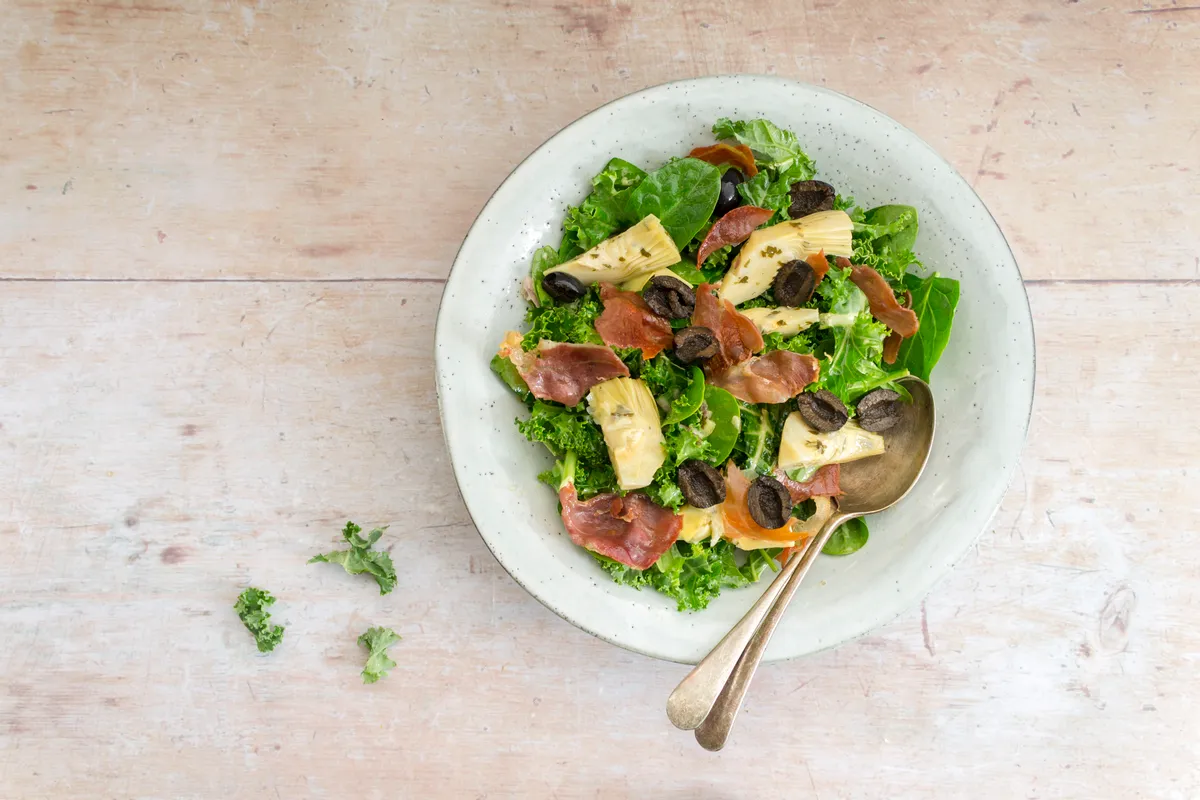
(700, 524)
(643, 248)
(768, 249)
(784, 321)
(625, 411)
(803, 447)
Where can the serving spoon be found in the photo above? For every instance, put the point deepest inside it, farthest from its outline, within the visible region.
(709, 698)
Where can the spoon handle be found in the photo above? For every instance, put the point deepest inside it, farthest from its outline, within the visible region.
(713, 732)
(695, 695)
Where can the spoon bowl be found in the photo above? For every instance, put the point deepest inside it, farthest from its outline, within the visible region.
(709, 697)
(870, 485)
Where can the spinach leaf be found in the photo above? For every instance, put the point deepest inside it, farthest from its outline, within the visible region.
(774, 148)
(687, 271)
(689, 402)
(847, 539)
(603, 212)
(721, 411)
(251, 608)
(508, 373)
(544, 258)
(934, 301)
(893, 226)
(377, 641)
(682, 194)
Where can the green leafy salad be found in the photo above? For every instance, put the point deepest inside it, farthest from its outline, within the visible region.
(707, 345)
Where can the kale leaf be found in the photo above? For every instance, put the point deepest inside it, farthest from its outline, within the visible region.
(251, 607)
(694, 574)
(603, 212)
(361, 558)
(574, 322)
(377, 641)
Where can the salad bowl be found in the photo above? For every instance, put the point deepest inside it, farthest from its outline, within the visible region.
(983, 383)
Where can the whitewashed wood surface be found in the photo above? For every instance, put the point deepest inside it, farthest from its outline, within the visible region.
(223, 232)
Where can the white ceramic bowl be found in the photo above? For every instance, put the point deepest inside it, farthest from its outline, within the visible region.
(983, 384)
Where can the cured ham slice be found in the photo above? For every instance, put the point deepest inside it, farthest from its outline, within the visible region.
(737, 155)
(627, 321)
(823, 483)
(884, 306)
(819, 264)
(773, 378)
(562, 372)
(733, 228)
(633, 529)
(736, 334)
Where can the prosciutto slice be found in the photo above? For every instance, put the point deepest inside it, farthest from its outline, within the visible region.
(733, 228)
(773, 378)
(633, 529)
(738, 155)
(884, 306)
(562, 372)
(627, 321)
(736, 334)
(823, 483)
(819, 264)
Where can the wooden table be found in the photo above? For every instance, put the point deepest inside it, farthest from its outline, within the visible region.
(223, 237)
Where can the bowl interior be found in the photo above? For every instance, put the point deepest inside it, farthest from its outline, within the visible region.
(983, 385)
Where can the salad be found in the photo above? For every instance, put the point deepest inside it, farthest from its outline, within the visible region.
(708, 344)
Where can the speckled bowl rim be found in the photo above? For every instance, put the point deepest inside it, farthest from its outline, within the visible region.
(948, 564)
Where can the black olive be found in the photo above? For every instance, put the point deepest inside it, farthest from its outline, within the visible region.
(822, 410)
(794, 283)
(769, 502)
(695, 344)
(729, 199)
(879, 410)
(702, 486)
(669, 297)
(809, 197)
(563, 287)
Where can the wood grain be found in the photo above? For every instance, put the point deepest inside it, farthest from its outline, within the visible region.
(166, 444)
(223, 233)
(284, 140)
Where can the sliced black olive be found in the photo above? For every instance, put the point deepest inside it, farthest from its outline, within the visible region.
(809, 197)
(729, 199)
(769, 502)
(563, 287)
(822, 410)
(695, 344)
(794, 283)
(702, 486)
(879, 410)
(669, 297)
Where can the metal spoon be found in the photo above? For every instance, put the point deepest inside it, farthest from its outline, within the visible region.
(711, 694)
